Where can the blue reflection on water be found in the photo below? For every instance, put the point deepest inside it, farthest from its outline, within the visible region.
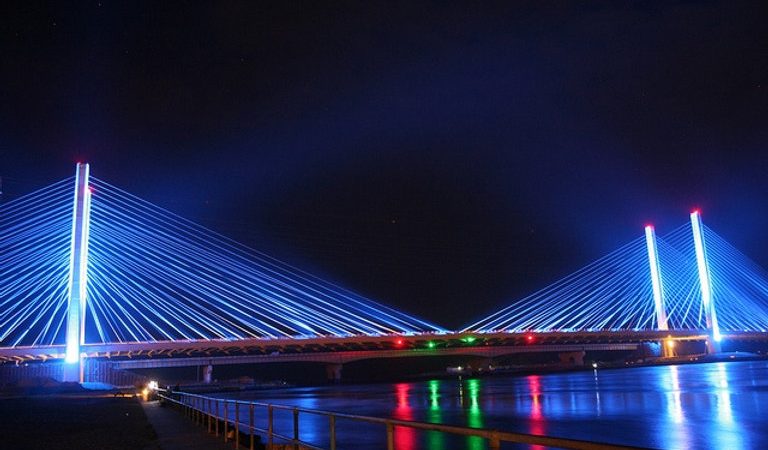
(725, 417)
(707, 406)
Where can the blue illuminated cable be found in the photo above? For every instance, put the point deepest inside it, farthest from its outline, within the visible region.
(610, 293)
(180, 224)
(154, 276)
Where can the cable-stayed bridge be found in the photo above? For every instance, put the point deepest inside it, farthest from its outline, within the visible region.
(650, 283)
(88, 270)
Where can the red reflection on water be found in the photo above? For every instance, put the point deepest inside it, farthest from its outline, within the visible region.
(405, 438)
(537, 418)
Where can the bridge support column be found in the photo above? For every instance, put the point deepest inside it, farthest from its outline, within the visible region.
(658, 291)
(78, 276)
(572, 358)
(333, 372)
(478, 365)
(705, 282)
(668, 348)
(208, 374)
(73, 372)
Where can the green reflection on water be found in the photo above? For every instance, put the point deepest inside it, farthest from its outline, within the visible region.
(474, 414)
(434, 395)
(435, 440)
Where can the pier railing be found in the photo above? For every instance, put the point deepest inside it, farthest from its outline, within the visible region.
(235, 421)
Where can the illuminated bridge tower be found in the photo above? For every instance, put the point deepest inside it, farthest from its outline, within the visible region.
(705, 281)
(658, 287)
(78, 275)
(658, 291)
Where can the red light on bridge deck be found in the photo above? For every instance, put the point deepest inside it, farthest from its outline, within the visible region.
(399, 342)
(529, 338)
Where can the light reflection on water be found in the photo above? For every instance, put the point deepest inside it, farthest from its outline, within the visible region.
(717, 405)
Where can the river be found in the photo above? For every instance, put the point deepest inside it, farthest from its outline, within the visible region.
(694, 406)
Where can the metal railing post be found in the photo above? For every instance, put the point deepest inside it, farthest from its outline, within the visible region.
(390, 436)
(295, 428)
(493, 442)
(270, 428)
(226, 421)
(250, 423)
(332, 431)
(217, 417)
(237, 424)
(210, 412)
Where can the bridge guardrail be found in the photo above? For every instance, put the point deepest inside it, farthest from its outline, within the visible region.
(215, 414)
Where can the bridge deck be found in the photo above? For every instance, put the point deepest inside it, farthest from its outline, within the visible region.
(322, 348)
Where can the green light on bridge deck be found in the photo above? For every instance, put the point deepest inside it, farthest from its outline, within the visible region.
(431, 344)
(469, 339)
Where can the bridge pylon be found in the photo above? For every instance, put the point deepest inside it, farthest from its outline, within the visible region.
(78, 275)
(658, 287)
(658, 290)
(705, 283)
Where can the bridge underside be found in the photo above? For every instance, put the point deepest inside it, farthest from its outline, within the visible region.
(351, 356)
(335, 349)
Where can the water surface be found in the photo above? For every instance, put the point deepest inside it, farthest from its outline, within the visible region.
(701, 406)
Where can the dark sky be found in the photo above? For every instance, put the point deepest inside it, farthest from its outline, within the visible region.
(444, 158)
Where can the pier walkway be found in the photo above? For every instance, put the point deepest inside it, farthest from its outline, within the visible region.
(176, 432)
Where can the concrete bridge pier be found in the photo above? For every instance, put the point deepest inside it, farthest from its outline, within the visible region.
(72, 372)
(208, 374)
(481, 364)
(713, 344)
(572, 358)
(668, 348)
(333, 372)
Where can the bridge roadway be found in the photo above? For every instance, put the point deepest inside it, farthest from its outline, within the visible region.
(339, 350)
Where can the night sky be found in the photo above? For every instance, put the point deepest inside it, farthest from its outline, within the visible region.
(443, 158)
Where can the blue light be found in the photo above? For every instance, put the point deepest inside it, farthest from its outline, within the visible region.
(78, 265)
(149, 275)
(156, 276)
(658, 299)
(704, 278)
(615, 292)
(612, 293)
